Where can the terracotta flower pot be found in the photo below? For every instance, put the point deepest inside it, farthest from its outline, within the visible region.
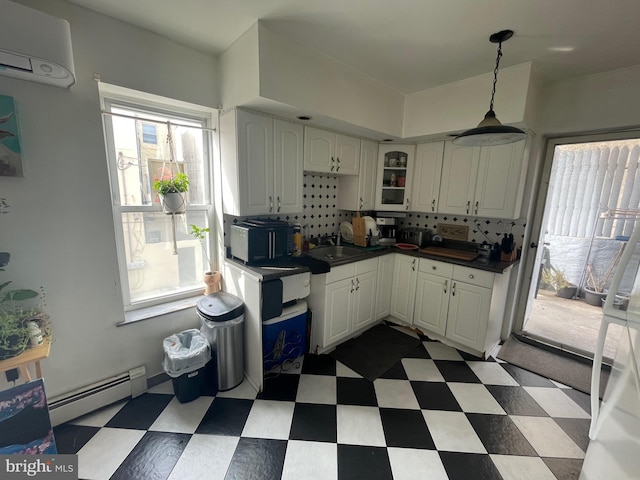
(212, 282)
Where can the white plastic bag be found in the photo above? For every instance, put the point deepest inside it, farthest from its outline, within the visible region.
(185, 352)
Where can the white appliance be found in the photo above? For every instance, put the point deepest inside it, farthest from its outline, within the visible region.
(614, 449)
(35, 46)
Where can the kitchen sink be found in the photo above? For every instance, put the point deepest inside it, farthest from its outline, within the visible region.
(333, 252)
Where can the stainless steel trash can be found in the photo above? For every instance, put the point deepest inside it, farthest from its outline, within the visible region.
(222, 318)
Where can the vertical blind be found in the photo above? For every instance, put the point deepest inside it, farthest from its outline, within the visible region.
(594, 189)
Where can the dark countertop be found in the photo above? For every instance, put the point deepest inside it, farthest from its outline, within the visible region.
(286, 267)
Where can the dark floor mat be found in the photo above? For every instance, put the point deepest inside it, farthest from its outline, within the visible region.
(570, 372)
(375, 351)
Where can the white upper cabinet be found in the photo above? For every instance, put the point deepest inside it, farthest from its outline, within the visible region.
(347, 155)
(358, 192)
(329, 152)
(394, 176)
(501, 180)
(459, 171)
(288, 172)
(261, 164)
(427, 170)
(483, 181)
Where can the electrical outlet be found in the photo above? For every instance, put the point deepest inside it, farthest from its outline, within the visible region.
(12, 375)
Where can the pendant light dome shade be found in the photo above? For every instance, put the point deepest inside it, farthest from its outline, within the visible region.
(490, 131)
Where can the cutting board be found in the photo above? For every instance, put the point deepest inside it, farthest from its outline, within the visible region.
(450, 253)
(359, 231)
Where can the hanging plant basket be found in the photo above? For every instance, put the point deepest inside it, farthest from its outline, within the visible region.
(174, 202)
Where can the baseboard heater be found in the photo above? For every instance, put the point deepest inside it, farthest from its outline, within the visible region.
(100, 394)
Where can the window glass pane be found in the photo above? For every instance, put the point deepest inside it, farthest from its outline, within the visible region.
(152, 267)
(149, 134)
(139, 162)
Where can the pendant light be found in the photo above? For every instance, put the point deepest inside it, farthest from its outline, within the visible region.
(490, 131)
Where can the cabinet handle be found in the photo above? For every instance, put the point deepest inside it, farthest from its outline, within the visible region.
(433, 205)
(434, 267)
(471, 276)
(338, 160)
(352, 286)
(477, 207)
(278, 204)
(357, 284)
(468, 205)
(453, 289)
(446, 284)
(270, 204)
(361, 203)
(332, 163)
(407, 207)
(413, 265)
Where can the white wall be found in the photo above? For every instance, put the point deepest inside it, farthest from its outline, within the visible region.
(296, 75)
(606, 101)
(239, 70)
(461, 105)
(60, 228)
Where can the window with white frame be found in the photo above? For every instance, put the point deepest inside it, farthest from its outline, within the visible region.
(159, 259)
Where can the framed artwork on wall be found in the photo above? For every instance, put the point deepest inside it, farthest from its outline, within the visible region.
(10, 151)
(25, 425)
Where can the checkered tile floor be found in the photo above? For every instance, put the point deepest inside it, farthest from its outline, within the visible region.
(437, 414)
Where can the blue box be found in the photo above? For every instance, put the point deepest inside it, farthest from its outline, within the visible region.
(285, 337)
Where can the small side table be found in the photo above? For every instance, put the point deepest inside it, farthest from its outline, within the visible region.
(30, 355)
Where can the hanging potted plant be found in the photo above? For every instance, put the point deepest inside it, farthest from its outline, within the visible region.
(211, 278)
(173, 193)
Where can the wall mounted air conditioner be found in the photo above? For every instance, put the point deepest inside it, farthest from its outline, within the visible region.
(35, 46)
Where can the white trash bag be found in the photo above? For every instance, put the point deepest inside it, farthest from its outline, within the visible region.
(185, 352)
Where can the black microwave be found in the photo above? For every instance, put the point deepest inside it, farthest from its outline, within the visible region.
(257, 241)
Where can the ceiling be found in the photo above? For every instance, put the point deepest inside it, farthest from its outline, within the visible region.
(411, 45)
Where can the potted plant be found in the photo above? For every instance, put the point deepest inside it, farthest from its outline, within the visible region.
(14, 335)
(173, 192)
(558, 280)
(211, 278)
(594, 292)
(20, 322)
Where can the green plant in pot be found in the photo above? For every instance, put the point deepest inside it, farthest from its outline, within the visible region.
(20, 320)
(173, 192)
(558, 280)
(212, 278)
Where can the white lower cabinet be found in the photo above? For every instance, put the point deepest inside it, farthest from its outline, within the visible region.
(403, 293)
(458, 305)
(432, 302)
(343, 301)
(468, 314)
(385, 285)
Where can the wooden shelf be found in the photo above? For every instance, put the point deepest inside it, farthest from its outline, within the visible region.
(30, 355)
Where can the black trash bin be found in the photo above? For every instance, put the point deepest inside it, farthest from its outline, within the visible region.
(186, 356)
(222, 316)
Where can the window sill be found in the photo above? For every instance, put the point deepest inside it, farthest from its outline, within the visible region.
(145, 313)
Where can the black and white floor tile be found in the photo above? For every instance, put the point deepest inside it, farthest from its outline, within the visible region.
(437, 414)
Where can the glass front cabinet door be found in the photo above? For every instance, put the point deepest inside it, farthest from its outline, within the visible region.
(395, 166)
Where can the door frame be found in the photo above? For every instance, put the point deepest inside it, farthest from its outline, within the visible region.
(538, 199)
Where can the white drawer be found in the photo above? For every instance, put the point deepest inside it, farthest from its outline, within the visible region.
(481, 278)
(364, 266)
(435, 267)
(341, 272)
